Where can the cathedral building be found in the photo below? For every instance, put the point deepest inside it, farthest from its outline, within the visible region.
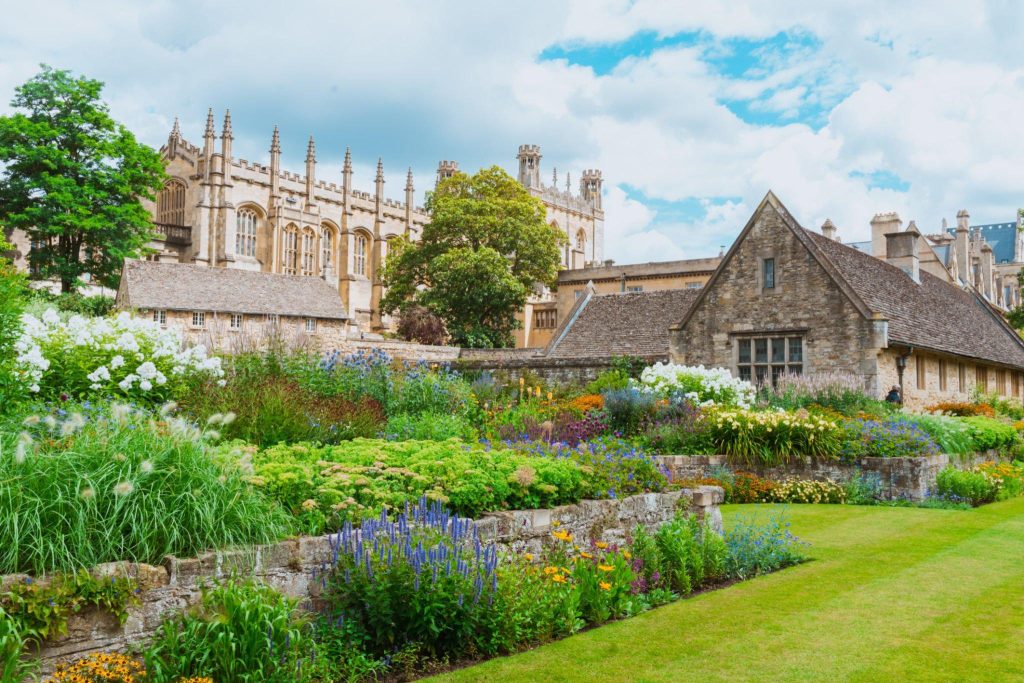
(220, 211)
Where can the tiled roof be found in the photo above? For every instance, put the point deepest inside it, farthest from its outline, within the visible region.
(624, 324)
(934, 314)
(186, 287)
(634, 270)
(1000, 236)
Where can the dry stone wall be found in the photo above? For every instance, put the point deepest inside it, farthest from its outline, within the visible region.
(290, 566)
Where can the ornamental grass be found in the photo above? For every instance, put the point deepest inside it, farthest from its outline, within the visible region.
(771, 438)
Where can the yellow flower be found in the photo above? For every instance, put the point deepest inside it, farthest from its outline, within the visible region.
(550, 570)
(586, 555)
(558, 578)
(604, 585)
(606, 567)
(529, 557)
(562, 536)
(626, 554)
(601, 544)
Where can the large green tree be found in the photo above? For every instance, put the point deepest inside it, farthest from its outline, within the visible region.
(73, 179)
(487, 244)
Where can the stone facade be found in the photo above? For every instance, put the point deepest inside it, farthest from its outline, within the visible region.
(898, 478)
(291, 565)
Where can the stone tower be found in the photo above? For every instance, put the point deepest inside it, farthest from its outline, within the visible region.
(529, 166)
(446, 169)
(590, 187)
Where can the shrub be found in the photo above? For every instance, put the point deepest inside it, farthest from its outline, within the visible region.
(892, 438)
(744, 487)
(424, 390)
(759, 549)
(271, 408)
(12, 292)
(612, 468)
(1001, 406)
(356, 375)
(951, 435)
(73, 302)
(609, 380)
(241, 631)
(976, 488)
(1010, 477)
(991, 434)
(961, 409)
(118, 357)
(419, 324)
(627, 408)
(681, 556)
(93, 484)
(564, 428)
(835, 391)
(429, 427)
(770, 438)
(677, 429)
(698, 385)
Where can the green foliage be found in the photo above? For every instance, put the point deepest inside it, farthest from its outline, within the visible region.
(73, 302)
(681, 556)
(93, 484)
(422, 390)
(241, 632)
(839, 392)
(73, 179)
(952, 435)
(13, 667)
(895, 437)
(324, 486)
(627, 408)
(755, 548)
(991, 434)
(485, 247)
(12, 303)
(40, 609)
(429, 427)
(771, 438)
(966, 486)
(609, 380)
(630, 366)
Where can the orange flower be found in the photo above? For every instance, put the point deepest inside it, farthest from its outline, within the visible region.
(601, 544)
(586, 555)
(604, 585)
(606, 567)
(558, 578)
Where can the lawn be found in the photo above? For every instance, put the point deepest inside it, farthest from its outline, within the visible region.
(892, 594)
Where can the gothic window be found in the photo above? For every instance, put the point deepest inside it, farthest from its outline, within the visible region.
(581, 240)
(360, 254)
(170, 203)
(245, 232)
(326, 247)
(763, 359)
(291, 251)
(308, 252)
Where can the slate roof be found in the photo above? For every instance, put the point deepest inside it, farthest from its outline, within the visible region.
(1000, 236)
(622, 324)
(635, 270)
(187, 287)
(934, 314)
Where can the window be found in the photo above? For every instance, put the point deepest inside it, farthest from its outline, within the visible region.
(291, 250)
(545, 319)
(160, 317)
(981, 379)
(236, 321)
(170, 203)
(942, 375)
(1001, 381)
(1015, 384)
(922, 372)
(359, 265)
(763, 359)
(245, 232)
(310, 324)
(198, 319)
(326, 248)
(308, 252)
(693, 285)
(961, 377)
(635, 288)
(581, 241)
(768, 272)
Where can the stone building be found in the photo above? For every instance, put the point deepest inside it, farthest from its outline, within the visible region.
(221, 211)
(234, 309)
(785, 299)
(544, 314)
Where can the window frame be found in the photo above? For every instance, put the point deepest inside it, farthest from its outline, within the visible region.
(199, 320)
(160, 317)
(769, 284)
(760, 363)
(359, 254)
(310, 325)
(246, 226)
(231, 322)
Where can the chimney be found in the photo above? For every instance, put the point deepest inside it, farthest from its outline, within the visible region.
(828, 229)
(901, 251)
(881, 225)
(987, 263)
(962, 246)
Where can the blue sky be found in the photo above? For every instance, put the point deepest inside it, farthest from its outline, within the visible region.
(691, 110)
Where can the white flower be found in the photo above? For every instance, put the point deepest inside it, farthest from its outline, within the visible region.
(116, 362)
(100, 374)
(50, 317)
(127, 382)
(145, 385)
(147, 370)
(222, 383)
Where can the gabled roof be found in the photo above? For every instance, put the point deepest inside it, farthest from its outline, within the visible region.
(935, 314)
(621, 324)
(187, 287)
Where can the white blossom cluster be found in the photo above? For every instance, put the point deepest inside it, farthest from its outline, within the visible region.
(698, 385)
(98, 354)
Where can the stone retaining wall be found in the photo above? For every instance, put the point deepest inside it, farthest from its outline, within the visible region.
(898, 478)
(289, 565)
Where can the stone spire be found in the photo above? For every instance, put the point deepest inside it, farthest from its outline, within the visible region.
(554, 177)
(208, 134)
(408, 181)
(346, 171)
(310, 170)
(568, 184)
(176, 129)
(409, 199)
(225, 139)
(173, 139)
(275, 164)
(380, 170)
(275, 142)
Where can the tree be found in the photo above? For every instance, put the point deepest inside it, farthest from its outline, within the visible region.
(12, 302)
(73, 180)
(487, 244)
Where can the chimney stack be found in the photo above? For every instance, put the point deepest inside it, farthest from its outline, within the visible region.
(828, 229)
(881, 226)
(901, 251)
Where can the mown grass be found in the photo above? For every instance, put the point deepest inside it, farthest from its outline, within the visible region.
(892, 594)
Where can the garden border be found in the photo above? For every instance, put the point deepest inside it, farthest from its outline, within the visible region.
(293, 565)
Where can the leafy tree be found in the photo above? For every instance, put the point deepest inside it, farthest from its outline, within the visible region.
(73, 179)
(486, 246)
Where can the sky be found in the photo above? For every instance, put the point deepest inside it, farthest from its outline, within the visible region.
(692, 110)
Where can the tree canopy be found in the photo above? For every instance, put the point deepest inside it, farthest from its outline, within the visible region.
(487, 244)
(73, 179)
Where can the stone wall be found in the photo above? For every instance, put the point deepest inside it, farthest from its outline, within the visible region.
(898, 478)
(290, 565)
(563, 370)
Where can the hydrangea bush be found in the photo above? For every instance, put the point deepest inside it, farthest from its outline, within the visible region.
(123, 356)
(699, 385)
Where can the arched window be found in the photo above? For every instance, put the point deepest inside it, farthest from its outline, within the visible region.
(170, 203)
(360, 254)
(245, 232)
(581, 240)
(326, 248)
(308, 252)
(289, 266)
